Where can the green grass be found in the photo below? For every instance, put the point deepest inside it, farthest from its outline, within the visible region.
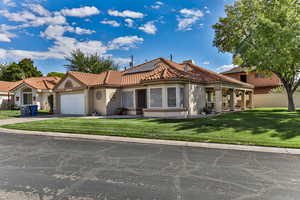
(6, 114)
(265, 127)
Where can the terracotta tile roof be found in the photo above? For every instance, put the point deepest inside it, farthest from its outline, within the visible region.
(238, 70)
(105, 78)
(155, 70)
(42, 83)
(6, 86)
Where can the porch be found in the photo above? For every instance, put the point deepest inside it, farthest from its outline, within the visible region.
(226, 99)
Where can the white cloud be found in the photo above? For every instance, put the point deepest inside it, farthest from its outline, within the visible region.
(126, 13)
(111, 22)
(57, 31)
(125, 42)
(9, 3)
(5, 35)
(37, 8)
(129, 22)
(149, 28)
(22, 16)
(81, 12)
(206, 63)
(50, 20)
(4, 38)
(226, 67)
(31, 20)
(188, 18)
(157, 5)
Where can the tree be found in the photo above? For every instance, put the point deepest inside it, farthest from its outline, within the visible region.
(56, 74)
(29, 69)
(18, 71)
(78, 61)
(12, 72)
(264, 34)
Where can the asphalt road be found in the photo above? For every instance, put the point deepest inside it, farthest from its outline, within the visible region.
(46, 168)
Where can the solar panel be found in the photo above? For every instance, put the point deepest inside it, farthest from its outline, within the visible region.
(143, 68)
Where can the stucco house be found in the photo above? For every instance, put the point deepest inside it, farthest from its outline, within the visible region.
(264, 94)
(6, 97)
(158, 88)
(262, 83)
(34, 91)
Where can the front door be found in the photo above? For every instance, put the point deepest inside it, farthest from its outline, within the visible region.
(141, 97)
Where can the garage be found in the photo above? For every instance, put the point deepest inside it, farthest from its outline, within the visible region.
(72, 104)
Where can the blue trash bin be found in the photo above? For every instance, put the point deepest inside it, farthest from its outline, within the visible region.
(34, 110)
(25, 111)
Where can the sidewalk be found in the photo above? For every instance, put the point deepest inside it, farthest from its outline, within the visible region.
(155, 141)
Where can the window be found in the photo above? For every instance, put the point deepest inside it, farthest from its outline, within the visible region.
(156, 97)
(68, 84)
(259, 75)
(27, 98)
(181, 94)
(243, 78)
(171, 96)
(127, 99)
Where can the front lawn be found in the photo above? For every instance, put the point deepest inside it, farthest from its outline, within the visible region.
(265, 127)
(6, 114)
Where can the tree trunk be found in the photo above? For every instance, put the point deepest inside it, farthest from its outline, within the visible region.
(291, 104)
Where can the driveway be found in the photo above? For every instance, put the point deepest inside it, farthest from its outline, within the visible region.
(49, 168)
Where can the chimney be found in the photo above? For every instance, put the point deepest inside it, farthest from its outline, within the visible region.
(189, 61)
(186, 66)
(131, 62)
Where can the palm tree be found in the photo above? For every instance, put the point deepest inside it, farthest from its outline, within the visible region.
(78, 61)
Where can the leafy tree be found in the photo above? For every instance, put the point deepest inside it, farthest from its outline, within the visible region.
(12, 72)
(29, 69)
(264, 34)
(78, 61)
(56, 74)
(18, 71)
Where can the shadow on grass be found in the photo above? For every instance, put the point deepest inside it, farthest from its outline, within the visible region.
(278, 122)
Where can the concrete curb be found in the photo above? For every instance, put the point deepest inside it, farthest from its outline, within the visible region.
(156, 141)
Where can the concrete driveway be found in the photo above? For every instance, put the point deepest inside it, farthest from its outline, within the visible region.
(49, 168)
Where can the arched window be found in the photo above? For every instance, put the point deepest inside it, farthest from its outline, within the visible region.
(68, 84)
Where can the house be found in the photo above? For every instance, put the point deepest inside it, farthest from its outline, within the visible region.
(263, 84)
(34, 91)
(264, 94)
(6, 97)
(158, 88)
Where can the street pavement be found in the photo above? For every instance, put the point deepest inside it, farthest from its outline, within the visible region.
(55, 168)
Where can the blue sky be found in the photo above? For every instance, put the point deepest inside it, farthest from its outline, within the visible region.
(48, 30)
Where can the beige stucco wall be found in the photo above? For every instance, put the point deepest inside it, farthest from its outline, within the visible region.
(113, 100)
(274, 100)
(100, 105)
(196, 98)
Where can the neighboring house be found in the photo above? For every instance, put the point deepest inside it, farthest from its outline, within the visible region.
(34, 91)
(264, 95)
(6, 97)
(263, 84)
(158, 88)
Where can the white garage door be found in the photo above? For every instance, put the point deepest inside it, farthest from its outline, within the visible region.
(72, 104)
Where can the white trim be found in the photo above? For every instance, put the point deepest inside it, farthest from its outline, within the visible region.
(162, 96)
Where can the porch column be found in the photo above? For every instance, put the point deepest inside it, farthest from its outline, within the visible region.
(251, 105)
(243, 103)
(232, 100)
(219, 101)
